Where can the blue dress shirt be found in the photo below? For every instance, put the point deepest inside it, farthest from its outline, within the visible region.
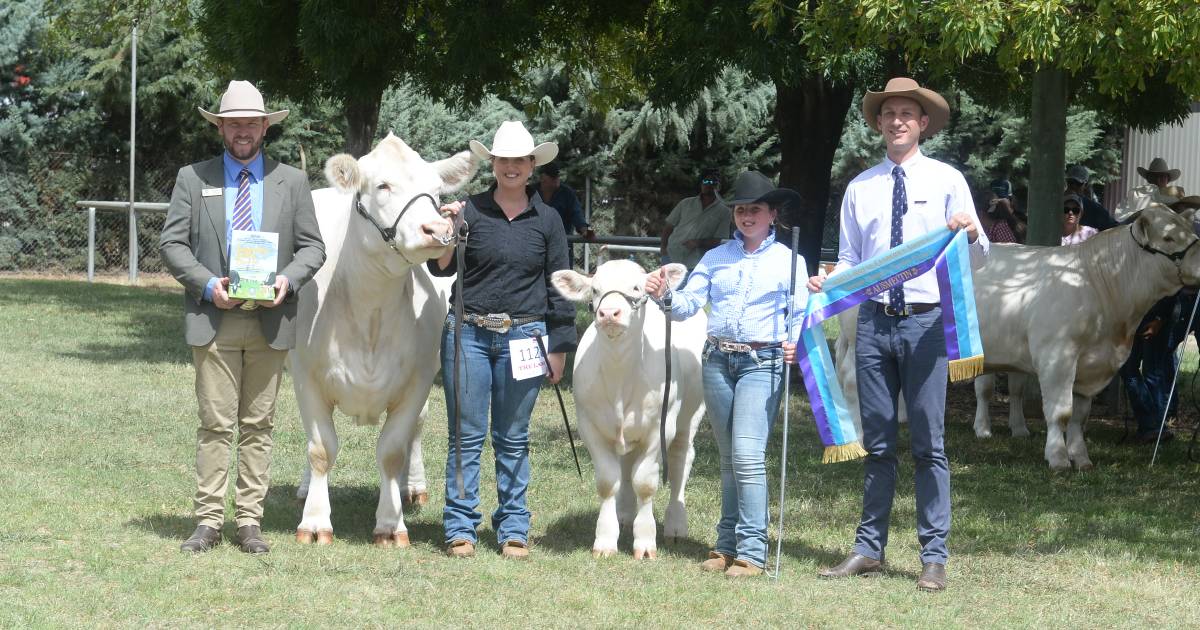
(233, 168)
(747, 291)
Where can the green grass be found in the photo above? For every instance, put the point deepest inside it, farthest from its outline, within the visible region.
(97, 419)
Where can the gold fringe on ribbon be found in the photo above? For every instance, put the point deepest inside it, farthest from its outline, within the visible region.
(843, 453)
(965, 369)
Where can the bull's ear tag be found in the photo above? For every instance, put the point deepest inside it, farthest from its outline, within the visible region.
(211, 192)
(526, 358)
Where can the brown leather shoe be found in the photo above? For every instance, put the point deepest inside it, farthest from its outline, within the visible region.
(514, 550)
(717, 562)
(201, 540)
(249, 539)
(933, 577)
(855, 564)
(741, 568)
(460, 548)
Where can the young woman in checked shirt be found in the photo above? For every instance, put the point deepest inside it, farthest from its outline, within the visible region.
(745, 280)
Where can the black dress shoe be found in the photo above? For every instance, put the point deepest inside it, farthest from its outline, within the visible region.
(201, 540)
(856, 564)
(249, 539)
(933, 577)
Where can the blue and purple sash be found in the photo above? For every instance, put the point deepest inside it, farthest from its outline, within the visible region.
(943, 250)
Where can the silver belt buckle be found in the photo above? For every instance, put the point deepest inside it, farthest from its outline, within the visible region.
(497, 322)
(733, 346)
(891, 311)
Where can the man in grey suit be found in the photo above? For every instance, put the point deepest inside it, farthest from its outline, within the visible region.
(238, 347)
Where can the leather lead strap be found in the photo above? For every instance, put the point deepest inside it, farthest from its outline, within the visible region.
(562, 407)
(662, 419)
(459, 256)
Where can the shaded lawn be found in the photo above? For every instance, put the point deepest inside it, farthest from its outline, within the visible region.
(98, 414)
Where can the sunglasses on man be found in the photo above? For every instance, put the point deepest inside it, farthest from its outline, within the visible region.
(1072, 210)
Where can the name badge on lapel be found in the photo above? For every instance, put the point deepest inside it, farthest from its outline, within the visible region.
(211, 192)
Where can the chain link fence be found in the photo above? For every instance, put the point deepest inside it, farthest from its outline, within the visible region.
(42, 231)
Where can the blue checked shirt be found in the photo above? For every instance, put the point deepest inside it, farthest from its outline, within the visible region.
(747, 291)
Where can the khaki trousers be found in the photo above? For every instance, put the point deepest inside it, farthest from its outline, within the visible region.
(237, 381)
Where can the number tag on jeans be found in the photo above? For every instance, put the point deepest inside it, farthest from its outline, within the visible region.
(526, 359)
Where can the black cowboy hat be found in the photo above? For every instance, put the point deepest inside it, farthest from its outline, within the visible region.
(754, 187)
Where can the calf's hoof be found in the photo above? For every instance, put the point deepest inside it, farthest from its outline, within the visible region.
(598, 553)
(1020, 433)
(1084, 465)
(645, 554)
(983, 434)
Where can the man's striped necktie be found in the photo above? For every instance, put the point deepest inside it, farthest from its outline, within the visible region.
(242, 217)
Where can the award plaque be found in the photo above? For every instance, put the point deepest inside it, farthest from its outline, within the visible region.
(253, 258)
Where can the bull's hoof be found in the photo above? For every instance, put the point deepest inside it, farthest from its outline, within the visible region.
(603, 553)
(398, 540)
(1084, 465)
(414, 500)
(645, 554)
(308, 537)
(983, 435)
(1020, 433)
(1058, 467)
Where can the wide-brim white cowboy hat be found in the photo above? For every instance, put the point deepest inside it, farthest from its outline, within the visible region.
(1158, 166)
(513, 140)
(934, 105)
(242, 100)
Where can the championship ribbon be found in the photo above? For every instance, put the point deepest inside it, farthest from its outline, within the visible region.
(943, 250)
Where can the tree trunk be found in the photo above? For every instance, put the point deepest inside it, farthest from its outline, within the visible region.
(809, 117)
(1047, 156)
(362, 119)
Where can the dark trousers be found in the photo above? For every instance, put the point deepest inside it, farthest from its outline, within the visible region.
(894, 355)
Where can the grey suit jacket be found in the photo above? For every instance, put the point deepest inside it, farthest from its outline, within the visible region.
(193, 245)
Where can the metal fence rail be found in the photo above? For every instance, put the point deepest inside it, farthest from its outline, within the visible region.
(117, 206)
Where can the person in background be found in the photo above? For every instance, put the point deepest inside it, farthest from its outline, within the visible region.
(1073, 230)
(697, 224)
(1001, 221)
(1094, 215)
(1157, 175)
(562, 198)
(745, 281)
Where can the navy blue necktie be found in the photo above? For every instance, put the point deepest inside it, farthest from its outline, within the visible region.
(899, 207)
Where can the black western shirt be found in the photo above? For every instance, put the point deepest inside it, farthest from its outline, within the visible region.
(508, 265)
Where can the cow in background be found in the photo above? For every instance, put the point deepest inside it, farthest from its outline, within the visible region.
(618, 383)
(369, 325)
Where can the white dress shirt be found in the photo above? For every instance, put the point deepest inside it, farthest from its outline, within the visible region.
(935, 192)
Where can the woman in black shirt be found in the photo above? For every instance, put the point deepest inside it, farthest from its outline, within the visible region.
(514, 243)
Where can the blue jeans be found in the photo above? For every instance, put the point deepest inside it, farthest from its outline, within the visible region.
(742, 392)
(1147, 377)
(893, 355)
(487, 378)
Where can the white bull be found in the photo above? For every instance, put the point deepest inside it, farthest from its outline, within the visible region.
(1068, 316)
(618, 382)
(369, 325)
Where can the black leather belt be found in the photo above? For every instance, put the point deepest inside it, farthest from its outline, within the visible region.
(909, 309)
(498, 322)
(728, 345)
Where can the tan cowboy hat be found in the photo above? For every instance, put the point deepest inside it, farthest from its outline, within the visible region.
(1191, 201)
(1158, 166)
(242, 100)
(513, 140)
(934, 105)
